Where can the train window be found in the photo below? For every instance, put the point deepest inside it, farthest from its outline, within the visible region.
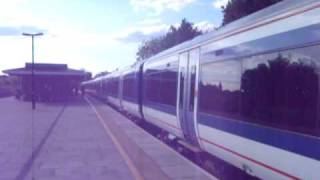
(129, 86)
(220, 88)
(153, 84)
(108, 86)
(182, 79)
(104, 86)
(126, 87)
(161, 84)
(192, 87)
(282, 90)
(114, 86)
(279, 90)
(168, 91)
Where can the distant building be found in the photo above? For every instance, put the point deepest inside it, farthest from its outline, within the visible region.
(52, 82)
(6, 85)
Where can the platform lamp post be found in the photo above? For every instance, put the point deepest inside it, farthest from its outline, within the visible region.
(32, 67)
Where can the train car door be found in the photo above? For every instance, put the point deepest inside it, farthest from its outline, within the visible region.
(187, 98)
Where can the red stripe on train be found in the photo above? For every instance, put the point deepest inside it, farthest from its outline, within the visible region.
(252, 160)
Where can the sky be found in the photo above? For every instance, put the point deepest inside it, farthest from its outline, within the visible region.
(94, 35)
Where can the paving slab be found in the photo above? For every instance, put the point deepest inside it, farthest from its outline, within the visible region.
(153, 158)
(66, 139)
(69, 141)
(19, 133)
(78, 148)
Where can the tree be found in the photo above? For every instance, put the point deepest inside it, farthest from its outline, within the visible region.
(235, 9)
(174, 36)
(101, 74)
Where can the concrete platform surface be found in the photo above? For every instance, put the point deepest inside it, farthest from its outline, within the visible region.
(67, 142)
(82, 140)
(154, 159)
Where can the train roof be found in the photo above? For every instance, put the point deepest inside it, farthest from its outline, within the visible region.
(265, 14)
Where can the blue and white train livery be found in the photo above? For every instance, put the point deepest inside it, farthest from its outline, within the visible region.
(248, 93)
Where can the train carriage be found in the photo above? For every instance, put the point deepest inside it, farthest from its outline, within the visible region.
(160, 82)
(130, 94)
(113, 90)
(92, 86)
(259, 95)
(247, 93)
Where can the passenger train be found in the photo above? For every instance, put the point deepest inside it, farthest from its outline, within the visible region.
(247, 93)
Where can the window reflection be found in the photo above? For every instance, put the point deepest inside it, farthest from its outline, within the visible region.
(113, 85)
(278, 90)
(161, 85)
(129, 90)
(220, 88)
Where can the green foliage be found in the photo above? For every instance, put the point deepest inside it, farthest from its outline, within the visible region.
(100, 74)
(174, 36)
(235, 9)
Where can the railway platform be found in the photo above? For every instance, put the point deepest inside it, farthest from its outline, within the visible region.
(82, 139)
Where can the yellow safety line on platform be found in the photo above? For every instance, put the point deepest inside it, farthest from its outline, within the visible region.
(135, 172)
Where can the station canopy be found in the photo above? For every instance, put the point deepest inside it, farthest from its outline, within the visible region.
(46, 70)
(51, 82)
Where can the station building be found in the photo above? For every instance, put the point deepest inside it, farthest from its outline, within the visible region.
(52, 82)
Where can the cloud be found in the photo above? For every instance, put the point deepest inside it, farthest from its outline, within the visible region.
(205, 26)
(134, 37)
(15, 18)
(17, 31)
(151, 21)
(142, 33)
(158, 6)
(10, 11)
(145, 32)
(63, 41)
(219, 3)
(11, 5)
